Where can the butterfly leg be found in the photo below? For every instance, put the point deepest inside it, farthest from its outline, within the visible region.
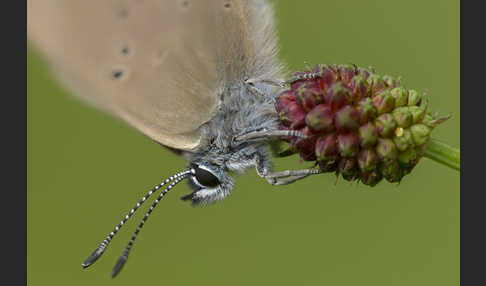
(254, 90)
(256, 87)
(267, 134)
(252, 82)
(303, 77)
(289, 176)
(282, 177)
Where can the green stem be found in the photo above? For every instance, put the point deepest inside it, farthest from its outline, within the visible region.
(444, 154)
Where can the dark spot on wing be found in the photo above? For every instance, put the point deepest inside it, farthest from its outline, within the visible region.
(117, 73)
(126, 51)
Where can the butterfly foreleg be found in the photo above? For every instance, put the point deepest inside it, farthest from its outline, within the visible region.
(303, 77)
(282, 177)
(268, 134)
(289, 176)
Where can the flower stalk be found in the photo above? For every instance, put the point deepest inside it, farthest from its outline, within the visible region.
(444, 154)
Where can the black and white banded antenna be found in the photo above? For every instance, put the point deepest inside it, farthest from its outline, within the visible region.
(123, 258)
(102, 247)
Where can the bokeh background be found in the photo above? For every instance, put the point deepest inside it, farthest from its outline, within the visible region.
(86, 169)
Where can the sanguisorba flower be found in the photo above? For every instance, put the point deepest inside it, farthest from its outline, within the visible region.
(359, 124)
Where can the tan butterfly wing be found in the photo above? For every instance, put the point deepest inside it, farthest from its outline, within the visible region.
(158, 65)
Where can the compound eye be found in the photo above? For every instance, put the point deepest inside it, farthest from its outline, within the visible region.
(206, 178)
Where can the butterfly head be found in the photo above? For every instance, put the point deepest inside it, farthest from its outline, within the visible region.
(208, 183)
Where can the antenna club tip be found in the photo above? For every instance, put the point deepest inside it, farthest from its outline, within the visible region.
(90, 260)
(118, 266)
(93, 257)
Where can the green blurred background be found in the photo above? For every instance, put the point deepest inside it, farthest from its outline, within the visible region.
(86, 169)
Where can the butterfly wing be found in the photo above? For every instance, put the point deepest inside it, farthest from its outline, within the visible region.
(158, 65)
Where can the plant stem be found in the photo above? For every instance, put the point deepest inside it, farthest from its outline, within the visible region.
(444, 154)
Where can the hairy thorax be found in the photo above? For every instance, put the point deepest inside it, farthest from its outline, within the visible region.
(242, 109)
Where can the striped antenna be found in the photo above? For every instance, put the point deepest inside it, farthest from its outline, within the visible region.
(123, 258)
(102, 247)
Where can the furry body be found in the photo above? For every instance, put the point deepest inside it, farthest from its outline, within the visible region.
(240, 111)
(252, 56)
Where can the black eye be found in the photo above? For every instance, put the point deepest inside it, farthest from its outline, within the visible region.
(206, 178)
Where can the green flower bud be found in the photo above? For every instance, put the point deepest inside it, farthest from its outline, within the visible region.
(403, 139)
(384, 102)
(348, 168)
(408, 159)
(347, 119)
(386, 150)
(368, 135)
(400, 95)
(307, 98)
(348, 145)
(414, 98)
(403, 117)
(320, 118)
(385, 125)
(391, 171)
(376, 83)
(367, 160)
(326, 148)
(366, 110)
(347, 72)
(359, 86)
(420, 133)
(338, 95)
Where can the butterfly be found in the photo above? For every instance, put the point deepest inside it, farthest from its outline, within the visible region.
(198, 77)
